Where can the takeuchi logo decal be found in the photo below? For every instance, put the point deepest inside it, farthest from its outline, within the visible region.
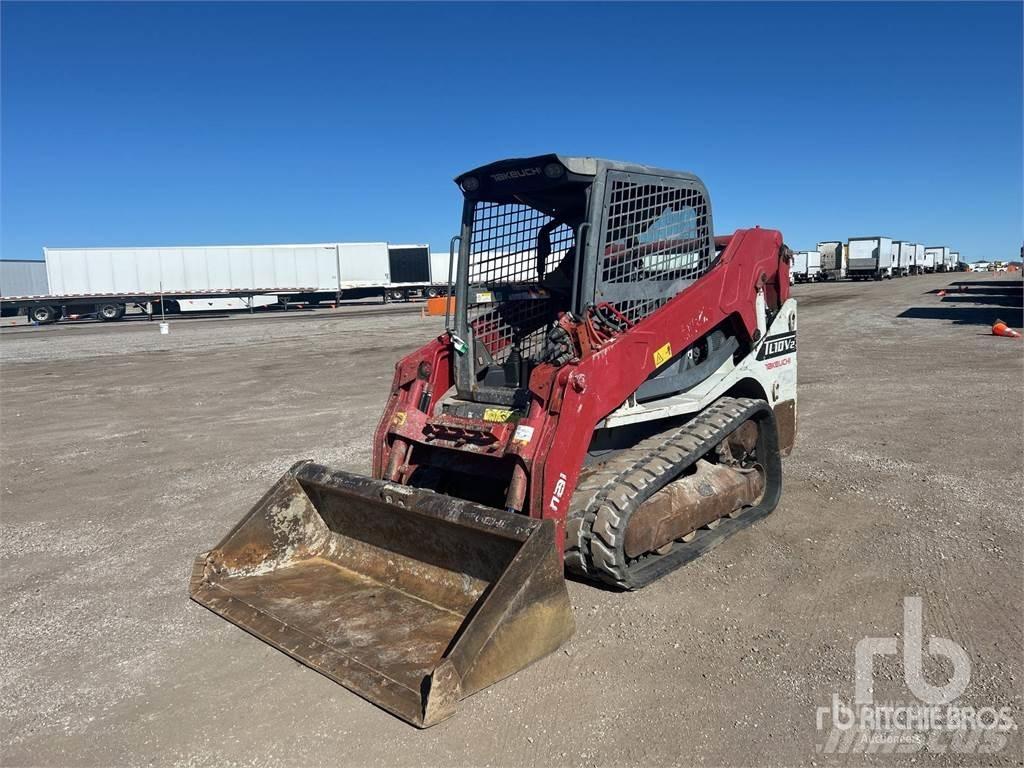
(516, 173)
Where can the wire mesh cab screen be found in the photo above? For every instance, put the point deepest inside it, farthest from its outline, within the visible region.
(520, 274)
(655, 241)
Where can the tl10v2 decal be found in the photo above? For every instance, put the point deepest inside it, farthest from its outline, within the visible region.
(777, 346)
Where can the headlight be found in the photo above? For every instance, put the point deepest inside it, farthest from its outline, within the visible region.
(554, 170)
(470, 184)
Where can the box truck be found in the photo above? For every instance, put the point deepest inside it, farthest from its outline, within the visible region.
(833, 259)
(806, 266)
(936, 258)
(907, 256)
(869, 258)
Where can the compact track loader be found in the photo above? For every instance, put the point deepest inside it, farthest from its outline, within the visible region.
(611, 397)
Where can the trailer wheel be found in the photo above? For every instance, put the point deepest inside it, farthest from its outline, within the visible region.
(397, 295)
(433, 293)
(110, 312)
(44, 314)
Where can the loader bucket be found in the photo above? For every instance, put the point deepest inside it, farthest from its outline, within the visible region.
(409, 598)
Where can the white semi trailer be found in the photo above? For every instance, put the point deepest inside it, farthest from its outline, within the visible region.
(870, 258)
(105, 281)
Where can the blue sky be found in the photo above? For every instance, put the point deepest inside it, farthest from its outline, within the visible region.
(173, 124)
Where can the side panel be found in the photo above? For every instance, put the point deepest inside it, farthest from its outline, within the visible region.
(884, 253)
(197, 276)
(72, 271)
(285, 267)
(364, 263)
(864, 254)
(218, 268)
(439, 268)
(147, 267)
(66, 271)
(326, 267)
(224, 304)
(23, 278)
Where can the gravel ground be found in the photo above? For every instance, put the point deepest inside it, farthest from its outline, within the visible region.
(125, 453)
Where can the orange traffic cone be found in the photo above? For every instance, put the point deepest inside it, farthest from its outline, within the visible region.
(999, 328)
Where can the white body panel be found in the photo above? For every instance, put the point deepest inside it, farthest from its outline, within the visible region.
(904, 258)
(81, 271)
(806, 265)
(937, 257)
(776, 377)
(21, 277)
(870, 255)
(439, 268)
(221, 305)
(363, 264)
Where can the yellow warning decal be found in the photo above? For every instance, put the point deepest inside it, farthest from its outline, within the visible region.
(662, 355)
(500, 415)
(398, 419)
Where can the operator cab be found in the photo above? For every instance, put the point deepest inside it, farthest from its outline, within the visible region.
(551, 234)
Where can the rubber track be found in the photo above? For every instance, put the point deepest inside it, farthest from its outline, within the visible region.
(605, 498)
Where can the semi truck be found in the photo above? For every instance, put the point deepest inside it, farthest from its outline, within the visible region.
(833, 259)
(806, 266)
(870, 258)
(105, 282)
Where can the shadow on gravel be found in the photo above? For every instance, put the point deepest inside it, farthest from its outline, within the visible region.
(980, 302)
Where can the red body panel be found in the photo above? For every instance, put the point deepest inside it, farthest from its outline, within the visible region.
(568, 402)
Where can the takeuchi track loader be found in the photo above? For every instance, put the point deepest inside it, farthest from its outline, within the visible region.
(611, 397)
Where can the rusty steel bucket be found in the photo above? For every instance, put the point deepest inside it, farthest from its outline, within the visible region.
(409, 598)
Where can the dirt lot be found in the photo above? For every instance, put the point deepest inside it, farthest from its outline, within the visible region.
(125, 453)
